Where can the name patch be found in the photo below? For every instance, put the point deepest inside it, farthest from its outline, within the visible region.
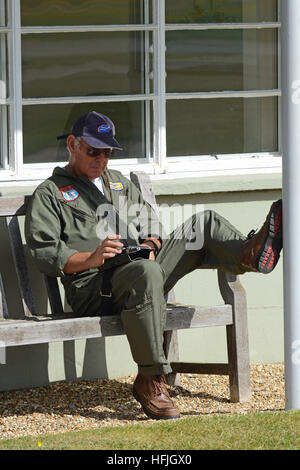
(117, 186)
(69, 193)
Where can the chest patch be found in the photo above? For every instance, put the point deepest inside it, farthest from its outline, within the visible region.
(69, 193)
(117, 186)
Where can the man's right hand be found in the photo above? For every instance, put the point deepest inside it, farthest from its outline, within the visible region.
(81, 261)
(108, 248)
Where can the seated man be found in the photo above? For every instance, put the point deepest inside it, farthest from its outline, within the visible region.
(66, 232)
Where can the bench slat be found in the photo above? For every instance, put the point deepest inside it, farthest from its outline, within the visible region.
(35, 331)
(181, 316)
(3, 301)
(20, 265)
(10, 206)
(54, 295)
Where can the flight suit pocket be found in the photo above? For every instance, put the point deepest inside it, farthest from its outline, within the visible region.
(79, 212)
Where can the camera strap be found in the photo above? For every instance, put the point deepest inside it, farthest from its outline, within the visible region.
(108, 270)
(129, 255)
(106, 284)
(106, 294)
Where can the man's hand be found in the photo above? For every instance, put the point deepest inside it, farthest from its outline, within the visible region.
(109, 248)
(81, 261)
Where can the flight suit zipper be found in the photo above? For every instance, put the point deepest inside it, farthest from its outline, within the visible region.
(80, 211)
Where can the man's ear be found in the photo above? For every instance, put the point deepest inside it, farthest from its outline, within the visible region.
(71, 143)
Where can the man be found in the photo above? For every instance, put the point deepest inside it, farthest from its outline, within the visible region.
(80, 219)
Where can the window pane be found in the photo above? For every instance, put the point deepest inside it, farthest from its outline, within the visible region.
(79, 12)
(3, 67)
(3, 13)
(79, 64)
(221, 60)
(221, 126)
(3, 137)
(220, 11)
(42, 124)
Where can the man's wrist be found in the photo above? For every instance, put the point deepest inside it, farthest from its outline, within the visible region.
(81, 261)
(154, 244)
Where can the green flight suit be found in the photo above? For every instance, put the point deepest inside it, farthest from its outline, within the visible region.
(64, 218)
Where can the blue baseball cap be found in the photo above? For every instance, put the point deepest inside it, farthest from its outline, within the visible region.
(96, 129)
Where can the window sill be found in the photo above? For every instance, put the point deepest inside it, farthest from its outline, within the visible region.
(244, 174)
(180, 177)
(216, 184)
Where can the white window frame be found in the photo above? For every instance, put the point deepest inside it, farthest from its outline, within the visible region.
(3, 87)
(160, 163)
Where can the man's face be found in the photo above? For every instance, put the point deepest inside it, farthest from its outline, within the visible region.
(86, 160)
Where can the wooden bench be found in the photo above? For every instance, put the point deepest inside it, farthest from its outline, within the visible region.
(32, 327)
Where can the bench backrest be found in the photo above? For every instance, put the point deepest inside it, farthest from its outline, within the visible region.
(10, 210)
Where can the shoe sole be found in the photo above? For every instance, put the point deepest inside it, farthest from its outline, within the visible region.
(148, 413)
(270, 252)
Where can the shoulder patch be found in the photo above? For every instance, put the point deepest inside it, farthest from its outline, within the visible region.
(116, 186)
(69, 193)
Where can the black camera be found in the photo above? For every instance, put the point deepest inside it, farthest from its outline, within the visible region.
(129, 253)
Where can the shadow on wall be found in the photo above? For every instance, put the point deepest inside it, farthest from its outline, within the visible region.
(34, 365)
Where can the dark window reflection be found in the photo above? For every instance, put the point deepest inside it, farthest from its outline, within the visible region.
(220, 11)
(80, 12)
(42, 124)
(221, 126)
(78, 64)
(221, 60)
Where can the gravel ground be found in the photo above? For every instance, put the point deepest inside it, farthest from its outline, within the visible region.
(74, 406)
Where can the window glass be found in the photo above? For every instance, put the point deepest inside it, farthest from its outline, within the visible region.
(3, 89)
(42, 124)
(220, 11)
(3, 137)
(81, 12)
(3, 13)
(3, 67)
(108, 63)
(221, 126)
(79, 64)
(221, 60)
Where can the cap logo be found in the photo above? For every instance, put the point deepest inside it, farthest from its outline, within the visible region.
(104, 129)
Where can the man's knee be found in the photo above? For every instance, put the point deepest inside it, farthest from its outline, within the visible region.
(148, 270)
(148, 283)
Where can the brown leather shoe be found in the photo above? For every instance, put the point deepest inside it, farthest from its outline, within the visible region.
(151, 392)
(261, 251)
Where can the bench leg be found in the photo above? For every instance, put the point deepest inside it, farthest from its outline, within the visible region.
(239, 369)
(172, 354)
(234, 294)
(237, 338)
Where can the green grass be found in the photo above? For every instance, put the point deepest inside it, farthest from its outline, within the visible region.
(260, 431)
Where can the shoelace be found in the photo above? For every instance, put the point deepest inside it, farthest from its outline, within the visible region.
(159, 386)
